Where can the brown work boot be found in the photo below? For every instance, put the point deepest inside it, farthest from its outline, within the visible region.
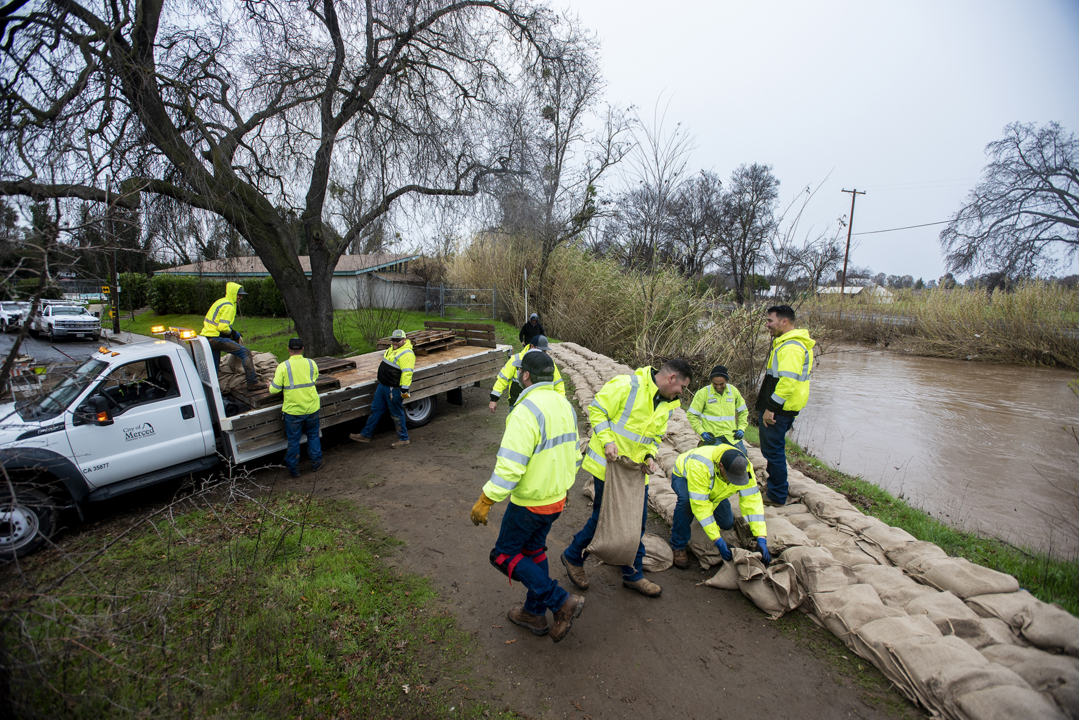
(537, 624)
(681, 559)
(563, 619)
(769, 502)
(644, 586)
(399, 444)
(576, 574)
(359, 437)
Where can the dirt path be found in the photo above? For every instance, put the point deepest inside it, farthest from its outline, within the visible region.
(695, 652)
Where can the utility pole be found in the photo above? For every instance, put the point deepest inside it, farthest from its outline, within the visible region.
(846, 254)
(114, 282)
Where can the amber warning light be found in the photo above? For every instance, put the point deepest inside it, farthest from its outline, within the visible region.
(157, 329)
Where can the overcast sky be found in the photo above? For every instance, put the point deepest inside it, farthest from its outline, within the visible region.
(895, 98)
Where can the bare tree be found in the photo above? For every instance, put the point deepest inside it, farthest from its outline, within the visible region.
(693, 224)
(748, 224)
(247, 111)
(1025, 210)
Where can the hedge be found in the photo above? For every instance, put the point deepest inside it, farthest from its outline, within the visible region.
(186, 295)
(28, 287)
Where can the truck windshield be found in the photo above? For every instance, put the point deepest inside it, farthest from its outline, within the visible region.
(60, 397)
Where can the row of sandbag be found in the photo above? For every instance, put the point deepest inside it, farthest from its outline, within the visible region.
(232, 374)
(961, 639)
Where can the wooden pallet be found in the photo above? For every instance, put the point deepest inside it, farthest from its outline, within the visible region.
(478, 334)
(331, 365)
(259, 397)
(425, 341)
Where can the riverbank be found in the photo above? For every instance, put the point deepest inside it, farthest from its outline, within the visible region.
(1048, 579)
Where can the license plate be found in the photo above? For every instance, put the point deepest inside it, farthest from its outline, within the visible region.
(80, 335)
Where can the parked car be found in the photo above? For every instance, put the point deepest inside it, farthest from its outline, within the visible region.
(67, 321)
(11, 314)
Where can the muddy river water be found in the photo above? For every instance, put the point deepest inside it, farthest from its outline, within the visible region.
(986, 447)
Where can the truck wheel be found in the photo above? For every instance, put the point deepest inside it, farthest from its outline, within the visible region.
(420, 412)
(25, 521)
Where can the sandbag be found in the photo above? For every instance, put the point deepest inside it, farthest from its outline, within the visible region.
(1055, 675)
(782, 535)
(961, 577)
(774, 589)
(797, 484)
(872, 641)
(618, 530)
(886, 536)
(912, 552)
(1042, 624)
(658, 555)
(794, 508)
(894, 586)
(942, 608)
(921, 658)
(950, 682)
(817, 570)
(805, 520)
(1008, 703)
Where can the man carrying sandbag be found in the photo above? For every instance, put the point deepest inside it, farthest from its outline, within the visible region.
(703, 479)
(536, 465)
(629, 419)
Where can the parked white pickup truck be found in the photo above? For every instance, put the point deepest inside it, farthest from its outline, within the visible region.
(11, 314)
(67, 321)
(142, 414)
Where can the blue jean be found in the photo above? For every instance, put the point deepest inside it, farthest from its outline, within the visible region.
(386, 398)
(232, 346)
(524, 532)
(296, 425)
(575, 553)
(773, 447)
(683, 514)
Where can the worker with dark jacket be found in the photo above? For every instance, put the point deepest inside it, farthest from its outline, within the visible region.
(296, 378)
(530, 329)
(219, 333)
(509, 375)
(704, 479)
(394, 380)
(536, 465)
(784, 391)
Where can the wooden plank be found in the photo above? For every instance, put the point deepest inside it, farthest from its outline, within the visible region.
(330, 365)
(458, 325)
(260, 397)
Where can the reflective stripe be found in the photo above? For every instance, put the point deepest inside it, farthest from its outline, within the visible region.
(275, 385)
(753, 518)
(513, 455)
(741, 408)
(502, 482)
(497, 393)
(778, 399)
(556, 441)
(545, 443)
(708, 521)
(393, 363)
(718, 418)
(691, 411)
(698, 496)
(292, 382)
(774, 371)
(213, 320)
(704, 461)
(502, 377)
(598, 458)
(751, 491)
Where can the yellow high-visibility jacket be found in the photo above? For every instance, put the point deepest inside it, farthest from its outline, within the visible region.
(718, 414)
(624, 412)
(785, 389)
(508, 377)
(296, 378)
(537, 461)
(396, 367)
(707, 488)
(220, 316)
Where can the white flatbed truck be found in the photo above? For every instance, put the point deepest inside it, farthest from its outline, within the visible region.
(150, 412)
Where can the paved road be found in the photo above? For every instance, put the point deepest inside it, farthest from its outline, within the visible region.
(62, 351)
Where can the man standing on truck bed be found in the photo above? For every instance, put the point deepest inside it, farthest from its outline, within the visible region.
(394, 379)
(784, 391)
(296, 379)
(217, 329)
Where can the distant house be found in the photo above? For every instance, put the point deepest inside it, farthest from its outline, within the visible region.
(869, 293)
(381, 280)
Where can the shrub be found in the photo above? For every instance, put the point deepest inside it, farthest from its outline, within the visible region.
(189, 295)
(26, 289)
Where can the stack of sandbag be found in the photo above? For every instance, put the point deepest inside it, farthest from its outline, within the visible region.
(232, 377)
(774, 589)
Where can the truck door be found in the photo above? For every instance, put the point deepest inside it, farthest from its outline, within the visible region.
(154, 424)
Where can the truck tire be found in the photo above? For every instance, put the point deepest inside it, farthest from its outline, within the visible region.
(419, 412)
(26, 521)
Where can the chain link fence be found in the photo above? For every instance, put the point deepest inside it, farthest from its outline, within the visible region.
(476, 300)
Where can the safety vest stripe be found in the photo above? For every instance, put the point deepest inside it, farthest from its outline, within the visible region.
(503, 482)
(774, 371)
(778, 398)
(545, 443)
(751, 491)
(556, 441)
(695, 412)
(698, 496)
(513, 455)
(600, 459)
(395, 362)
(754, 518)
(497, 393)
(718, 418)
(275, 385)
(292, 381)
(501, 376)
(213, 319)
(741, 408)
(704, 461)
(708, 521)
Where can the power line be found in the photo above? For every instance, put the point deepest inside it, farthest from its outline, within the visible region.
(908, 227)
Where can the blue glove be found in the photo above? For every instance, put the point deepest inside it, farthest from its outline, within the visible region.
(766, 557)
(708, 438)
(724, 551)
(739, 434)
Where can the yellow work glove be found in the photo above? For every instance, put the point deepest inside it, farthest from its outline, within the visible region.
(481, 508)
(405, 396)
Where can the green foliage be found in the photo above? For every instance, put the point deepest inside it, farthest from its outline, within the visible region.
(186, 295)
(26, 289)
(134, 291)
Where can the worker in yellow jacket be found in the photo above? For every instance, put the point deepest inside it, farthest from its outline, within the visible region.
(536, 465)
(394, 382)
(629, 418)
(703, 480)
(508, 375)
(296, 378)
(784, 392)
(222, 337)
(718, 413)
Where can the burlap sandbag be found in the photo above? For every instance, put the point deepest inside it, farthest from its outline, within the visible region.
(618, 530)
(793, 508)
(817, 570)
(1008, 703)
(953, 681)
(774, 589)
(961, 577)
(658, 555)
(1044, 625)
(894, 586)
(844, 611)
(912, 552)
(920, 658)
(873, 639)
(1055, 675)
(782, 535)
(804, 521)
(942, 608)
(886, 536)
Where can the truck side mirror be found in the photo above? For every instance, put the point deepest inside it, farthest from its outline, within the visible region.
(94, 411)
(97, 314)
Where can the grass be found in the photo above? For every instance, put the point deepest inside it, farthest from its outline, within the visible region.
(273, 608)
(270, 335)
(1047, 578)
